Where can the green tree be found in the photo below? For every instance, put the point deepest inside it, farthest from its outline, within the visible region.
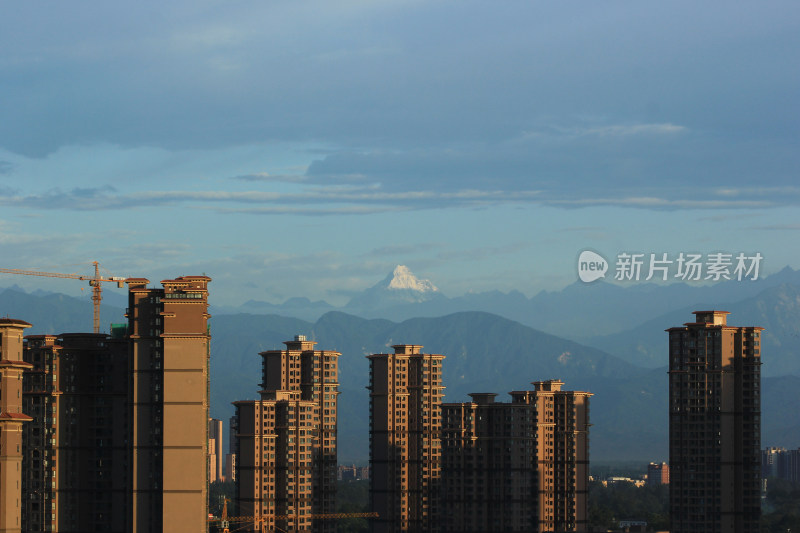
(352, 497)
(624, 501)
(781, 510)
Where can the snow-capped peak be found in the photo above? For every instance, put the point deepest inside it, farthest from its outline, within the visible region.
(402, 278)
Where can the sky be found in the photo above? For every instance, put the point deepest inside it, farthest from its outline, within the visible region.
(291, 148)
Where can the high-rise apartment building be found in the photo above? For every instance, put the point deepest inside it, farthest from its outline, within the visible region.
(168, 358)
(12, 420)
(230, 458)
(781, 463)
(41, 396)
(405, 448)
(75, 464)
(714, 425)
(658, 474)
(215, 456)
(517, 466)
(286, 441)
(117, 441)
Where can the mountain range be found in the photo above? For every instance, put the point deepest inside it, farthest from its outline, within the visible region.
(580, 311)
(486, 352)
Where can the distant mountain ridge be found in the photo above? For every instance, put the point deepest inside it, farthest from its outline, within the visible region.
(483, 352)
(486, 353)
(776, 309)
(580, 311)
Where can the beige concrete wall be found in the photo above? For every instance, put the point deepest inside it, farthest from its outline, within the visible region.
(11, 421)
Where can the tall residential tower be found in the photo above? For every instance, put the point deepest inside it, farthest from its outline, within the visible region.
(516, 467)
(714, 425)
(405, 447)
(168, 358)
(11, 421)
(76, 449)
(286, 442)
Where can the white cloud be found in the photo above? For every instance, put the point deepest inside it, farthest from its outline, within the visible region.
(633, 129)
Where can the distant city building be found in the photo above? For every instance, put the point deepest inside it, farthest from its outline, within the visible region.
(613, 480)
(714, 413)
(405, 448)
(633, 525)
(286, 441)
(658, 474)
(347, 473)
(12, 420)
(230, 458)
(353, 473)
(518, 466)
(230, 467)
(781, 463)
(215, 456)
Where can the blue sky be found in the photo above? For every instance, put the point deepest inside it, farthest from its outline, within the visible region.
(305, 148)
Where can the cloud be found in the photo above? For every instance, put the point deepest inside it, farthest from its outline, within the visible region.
(560, 104)
(390, 74)
(664, 203)
(758, 191)
(266, 177)
(375, 199)
(779, 227)
(402, 250)
(308, 211)
(617, 130)
(729, 217)
(6, 167)
(44, 252)
(359, 200)
(482, 252)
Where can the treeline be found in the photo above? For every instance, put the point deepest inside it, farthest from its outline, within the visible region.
(781, 510)
(624, 501)
(352, 497)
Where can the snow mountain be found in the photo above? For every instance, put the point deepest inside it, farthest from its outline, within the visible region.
(401, 287)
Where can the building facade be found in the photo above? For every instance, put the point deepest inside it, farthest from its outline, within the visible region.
(215, 455)
(714, 416)
(781, 463)
(12, 420)
(405, 447)
(75, 464)
(168, 417)
(517, 466)
(42, 397)
(658, 474)
(286, 445)
(230, 458)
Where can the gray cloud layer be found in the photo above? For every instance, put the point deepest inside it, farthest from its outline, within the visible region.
(613, 102)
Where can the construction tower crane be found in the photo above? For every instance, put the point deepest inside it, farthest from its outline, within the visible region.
(225, 520)
(95, 282)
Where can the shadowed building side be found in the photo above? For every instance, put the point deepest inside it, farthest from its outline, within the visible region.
(75, 465)
(520, 466)
(714, 425)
